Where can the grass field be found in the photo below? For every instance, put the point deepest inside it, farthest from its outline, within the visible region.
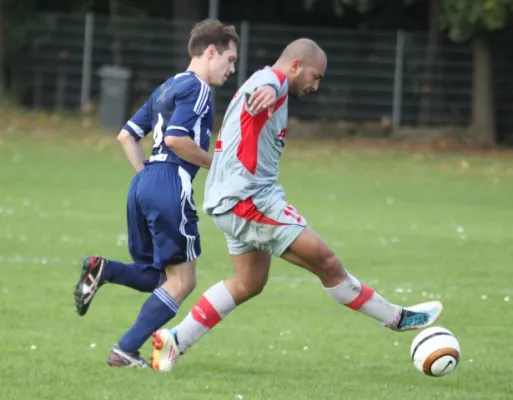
(412, 225)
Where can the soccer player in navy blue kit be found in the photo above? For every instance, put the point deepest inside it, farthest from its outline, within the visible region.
(163, 236)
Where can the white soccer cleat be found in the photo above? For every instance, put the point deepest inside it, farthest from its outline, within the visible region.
(419, 316)
(165, 353)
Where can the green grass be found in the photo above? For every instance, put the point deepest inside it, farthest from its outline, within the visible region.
(412, 225)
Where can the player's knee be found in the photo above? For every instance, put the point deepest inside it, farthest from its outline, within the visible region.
(252, 289)
(181, 281)
(246, 289)
(184, 284)
(189, 284)
(180, 289)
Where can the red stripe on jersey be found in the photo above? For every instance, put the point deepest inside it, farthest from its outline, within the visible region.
(250, 127)
(362, 298)
(246, 209)
(280, 102)
(280, 75)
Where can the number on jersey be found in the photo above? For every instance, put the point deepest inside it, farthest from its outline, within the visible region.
(158, 135)
(291, 212)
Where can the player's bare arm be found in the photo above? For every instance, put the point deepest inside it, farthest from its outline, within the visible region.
(133, 149)
(263, 98)
(185, 148)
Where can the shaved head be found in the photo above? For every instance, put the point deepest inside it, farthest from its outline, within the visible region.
(304, 63)
(305, 50)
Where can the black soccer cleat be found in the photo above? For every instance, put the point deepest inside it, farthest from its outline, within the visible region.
(91, 278)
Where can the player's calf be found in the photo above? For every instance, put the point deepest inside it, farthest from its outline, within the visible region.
(161, 306)
(359, 297)
(251, 272)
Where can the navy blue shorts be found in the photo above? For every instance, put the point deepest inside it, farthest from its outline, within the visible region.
(161, 217)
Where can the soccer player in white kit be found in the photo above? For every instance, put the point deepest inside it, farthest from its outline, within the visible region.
(246, 204)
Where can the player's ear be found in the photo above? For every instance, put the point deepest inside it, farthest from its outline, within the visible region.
(211, 51)
(296, 66)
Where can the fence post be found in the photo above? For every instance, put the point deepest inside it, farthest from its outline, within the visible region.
(213, 9)
(398, 80)
(38, 87)
(87, 61)
(244, 53)
(60, 95)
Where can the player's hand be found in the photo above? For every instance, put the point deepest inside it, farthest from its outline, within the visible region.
(261, 99)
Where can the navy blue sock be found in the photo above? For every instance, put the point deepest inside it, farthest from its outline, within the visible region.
(133, 276)
(155, 312)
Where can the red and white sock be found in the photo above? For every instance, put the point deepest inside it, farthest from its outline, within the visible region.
(351, 293)
(215, 304)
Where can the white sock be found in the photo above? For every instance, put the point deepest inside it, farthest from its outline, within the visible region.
(215, 304)
(351, 293)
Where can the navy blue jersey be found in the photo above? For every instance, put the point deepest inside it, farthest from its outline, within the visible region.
(180, 106)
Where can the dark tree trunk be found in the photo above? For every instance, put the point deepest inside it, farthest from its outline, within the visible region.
(117, 50)
(483, 113)
(430, 96)
(2, 57)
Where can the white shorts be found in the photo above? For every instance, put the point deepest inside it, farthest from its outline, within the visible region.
(272, 230)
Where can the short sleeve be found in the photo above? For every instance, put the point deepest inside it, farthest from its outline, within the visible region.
(191, 104)
(140, 123)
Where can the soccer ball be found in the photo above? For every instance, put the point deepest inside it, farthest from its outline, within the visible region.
(435, 351)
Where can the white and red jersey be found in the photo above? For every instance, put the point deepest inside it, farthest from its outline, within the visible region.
(248, 149)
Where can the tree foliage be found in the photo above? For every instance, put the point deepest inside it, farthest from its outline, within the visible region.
(462, 19)
(465, 18)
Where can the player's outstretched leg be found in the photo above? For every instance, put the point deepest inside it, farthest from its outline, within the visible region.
(96, 271)
(311, 252)
(159, 309)
(251, 271)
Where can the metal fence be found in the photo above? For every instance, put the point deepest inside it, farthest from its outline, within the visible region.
(370, 75)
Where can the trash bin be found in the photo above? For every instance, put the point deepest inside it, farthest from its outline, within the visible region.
(114, 97)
